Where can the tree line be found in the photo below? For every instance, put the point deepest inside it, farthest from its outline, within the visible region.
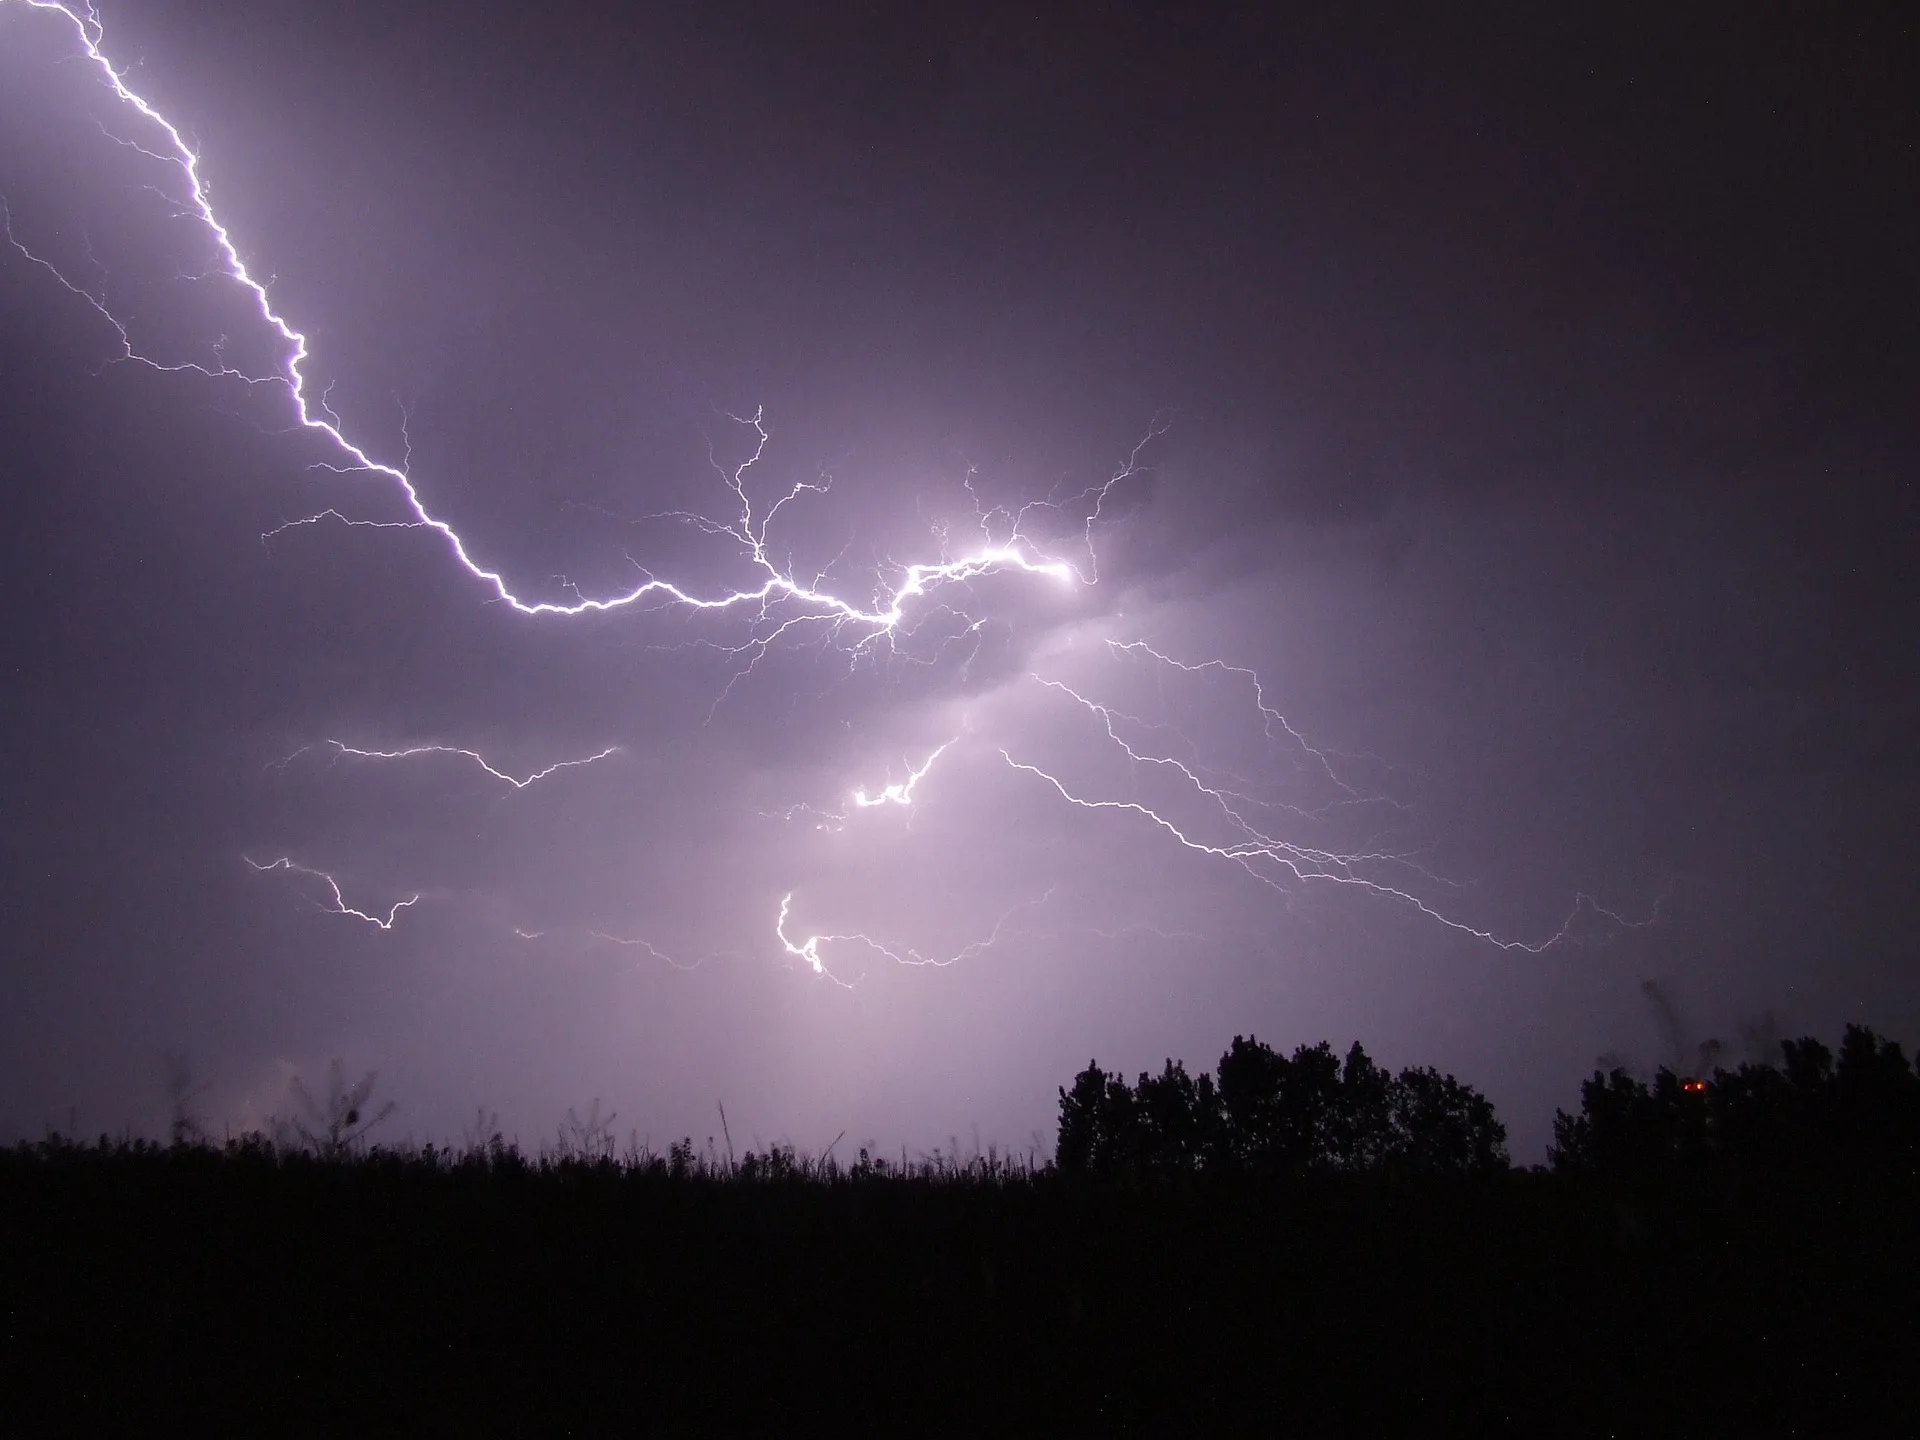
(1814, 1112)
(1265, 1113)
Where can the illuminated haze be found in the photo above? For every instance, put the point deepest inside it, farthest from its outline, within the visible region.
(844, 570)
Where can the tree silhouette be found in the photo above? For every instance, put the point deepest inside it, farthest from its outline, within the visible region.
(1363, 1133)
(1281, 1113)
(1179, 1118)
(1100, 1132)
(1442, 1127)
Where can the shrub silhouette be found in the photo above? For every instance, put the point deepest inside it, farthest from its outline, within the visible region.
(335, 1127)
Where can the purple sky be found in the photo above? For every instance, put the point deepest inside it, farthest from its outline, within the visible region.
(1527, 401)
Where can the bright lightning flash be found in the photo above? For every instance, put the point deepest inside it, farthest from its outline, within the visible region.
(902, 792)
(778, 602)
(899, 793)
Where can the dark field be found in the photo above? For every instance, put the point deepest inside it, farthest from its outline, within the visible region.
(262, 1291)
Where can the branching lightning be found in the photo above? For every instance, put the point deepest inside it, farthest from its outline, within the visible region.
(339, 905)
(1270, 718)
(1236, 823)
(1274, 861)
(898, 792)
(901, 793)
(778, 600)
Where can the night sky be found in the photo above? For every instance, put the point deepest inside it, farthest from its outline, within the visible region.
(1526, 393)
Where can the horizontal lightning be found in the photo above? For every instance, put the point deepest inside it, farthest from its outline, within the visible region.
(634, 942)
(339, 906)
(518, 782)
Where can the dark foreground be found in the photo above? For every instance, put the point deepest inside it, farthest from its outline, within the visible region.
(256, 1293)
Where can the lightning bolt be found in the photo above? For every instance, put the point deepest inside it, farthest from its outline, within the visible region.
(1271, 861)
(901, 793)
(808, 950)
(607, 937)
(779, 601)
(1270, 718)
(339, 906)
(633, 942)
(898, 792)
(1274, 861)
(778, 604)
(518, 782)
